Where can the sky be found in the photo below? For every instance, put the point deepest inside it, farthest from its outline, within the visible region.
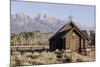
(83, 14)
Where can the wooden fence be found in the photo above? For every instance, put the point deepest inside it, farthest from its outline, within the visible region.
(28, 48)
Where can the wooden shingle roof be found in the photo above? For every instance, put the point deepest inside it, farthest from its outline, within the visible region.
(71, 23)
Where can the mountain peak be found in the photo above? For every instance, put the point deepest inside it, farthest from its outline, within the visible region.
(42, 15)
(21, 14)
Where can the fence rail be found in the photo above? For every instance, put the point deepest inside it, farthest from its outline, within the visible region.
(28, 48)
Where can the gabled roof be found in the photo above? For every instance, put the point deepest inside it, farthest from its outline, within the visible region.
(76, 27)
(85, 33)
(67, 24)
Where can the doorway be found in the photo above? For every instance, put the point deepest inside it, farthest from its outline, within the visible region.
(64, 43)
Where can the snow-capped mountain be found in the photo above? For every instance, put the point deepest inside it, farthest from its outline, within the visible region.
(22, 22)
(20, 19)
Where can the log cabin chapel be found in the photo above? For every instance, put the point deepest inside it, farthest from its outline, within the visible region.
(70, 37)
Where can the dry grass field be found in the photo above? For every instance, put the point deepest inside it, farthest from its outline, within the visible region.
(39, 58)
